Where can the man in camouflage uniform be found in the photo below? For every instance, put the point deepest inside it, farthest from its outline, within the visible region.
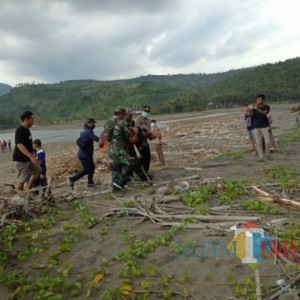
(116, 150)
(130, 145)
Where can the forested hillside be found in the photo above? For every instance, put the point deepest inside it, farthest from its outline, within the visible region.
(76, 99)
(4, 88)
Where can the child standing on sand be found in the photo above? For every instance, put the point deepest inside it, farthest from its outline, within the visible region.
(41, 157)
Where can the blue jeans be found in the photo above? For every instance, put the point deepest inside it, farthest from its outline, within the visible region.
(88, 168)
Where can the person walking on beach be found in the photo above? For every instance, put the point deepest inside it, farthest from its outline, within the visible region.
(86, 153)
(157, 142)
(144, 123)
(117, 134)
(250, 129)
(4, 145)
(41, 157)
(261, 124)
(9, 145)
(27, 166)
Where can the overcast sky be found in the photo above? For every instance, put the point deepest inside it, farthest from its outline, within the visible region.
(50, 41)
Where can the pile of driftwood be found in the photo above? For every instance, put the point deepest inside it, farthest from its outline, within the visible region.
(165, 210)
(59, 168)
(169, 210)
(16, 206)
(19, 205)
(228, 128)
(209, 137)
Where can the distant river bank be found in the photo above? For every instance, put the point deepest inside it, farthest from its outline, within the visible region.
(57, 135)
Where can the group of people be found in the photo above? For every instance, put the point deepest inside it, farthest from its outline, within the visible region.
(5, 145)
(258, 121)
(125, 142)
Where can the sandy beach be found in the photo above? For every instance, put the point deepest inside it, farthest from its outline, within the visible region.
(113, 246)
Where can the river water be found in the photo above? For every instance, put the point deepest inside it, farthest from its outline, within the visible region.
(66, 135)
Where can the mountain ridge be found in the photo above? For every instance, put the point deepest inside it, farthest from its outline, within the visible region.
(4, 88)
(77, 99)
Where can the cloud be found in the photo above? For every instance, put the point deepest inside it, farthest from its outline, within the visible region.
(49, 41)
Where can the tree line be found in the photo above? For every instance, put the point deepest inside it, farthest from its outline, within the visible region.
(77, 99)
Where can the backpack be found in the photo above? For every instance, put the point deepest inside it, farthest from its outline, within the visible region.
(109, 127)
(81, 144)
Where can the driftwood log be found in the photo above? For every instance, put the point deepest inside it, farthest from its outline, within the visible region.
(208, 218)
(276, 199)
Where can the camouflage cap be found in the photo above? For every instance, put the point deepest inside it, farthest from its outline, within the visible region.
(129, 111)
(120, 110)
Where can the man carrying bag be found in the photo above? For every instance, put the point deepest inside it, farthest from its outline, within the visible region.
(85, 153)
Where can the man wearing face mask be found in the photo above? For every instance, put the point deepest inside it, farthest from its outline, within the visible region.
(144, 123)
(85, 154)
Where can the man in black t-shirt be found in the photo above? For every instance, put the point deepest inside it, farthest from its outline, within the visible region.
(28, 169)
(261, 126)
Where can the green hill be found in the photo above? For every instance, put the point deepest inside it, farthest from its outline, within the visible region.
(77, 99)
(4, 88)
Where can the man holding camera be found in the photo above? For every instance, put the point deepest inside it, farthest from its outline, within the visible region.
(261, 125)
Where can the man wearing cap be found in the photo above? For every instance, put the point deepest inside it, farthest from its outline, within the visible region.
(85, 154)
(118, 135)
(144, 123)
(28, 169)
(131, 146)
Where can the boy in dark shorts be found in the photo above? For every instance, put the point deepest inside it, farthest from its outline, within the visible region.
(41, 157)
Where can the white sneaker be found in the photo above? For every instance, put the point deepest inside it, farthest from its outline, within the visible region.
(116, 187)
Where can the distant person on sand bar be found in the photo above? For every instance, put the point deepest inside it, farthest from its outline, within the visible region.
(28, 169)
(4, 145)
(9, 145)
(261, 125)
(86, 153)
